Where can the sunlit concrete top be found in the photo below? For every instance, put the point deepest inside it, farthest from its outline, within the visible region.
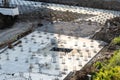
(34, 59)
(9, 11)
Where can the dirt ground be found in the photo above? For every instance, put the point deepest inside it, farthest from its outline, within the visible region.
(83, 29)
(10, 33)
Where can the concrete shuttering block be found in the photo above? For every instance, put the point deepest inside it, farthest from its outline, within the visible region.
(10, 11)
